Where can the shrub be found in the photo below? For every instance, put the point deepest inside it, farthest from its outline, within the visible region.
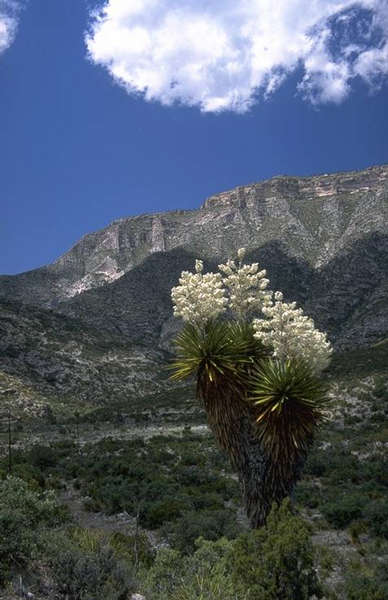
(86, 568)
(23, 513)
(316, 464)
(200, 499)
(164, 576)
(32, 475)
(206, 573)
(275, 562)
(307, 494)
(376, 514)
(381, 387)
(193, 475)
(161, 512)
(211, 524)
(363, 583)
(42, 457)
(135, 549)
(345, 509)
(202, 575)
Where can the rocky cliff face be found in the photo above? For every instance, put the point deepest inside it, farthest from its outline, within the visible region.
(314, 218)
(323, 241)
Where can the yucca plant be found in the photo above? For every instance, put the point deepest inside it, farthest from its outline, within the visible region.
(262, 411)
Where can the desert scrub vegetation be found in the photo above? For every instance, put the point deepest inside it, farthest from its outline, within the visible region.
(40, 546)
(86, 564)
(346, 473)
(24, 513)
(275, 562)
(180, 484)
(346, 488)
(183, 488)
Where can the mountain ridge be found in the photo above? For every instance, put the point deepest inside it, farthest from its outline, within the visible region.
(314, 216)
(327, 251)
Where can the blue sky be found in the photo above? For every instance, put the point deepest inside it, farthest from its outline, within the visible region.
(152, 105)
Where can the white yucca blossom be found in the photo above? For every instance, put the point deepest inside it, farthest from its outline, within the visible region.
(246, 286)
(244, 289)
(292, 335)
(199, 297)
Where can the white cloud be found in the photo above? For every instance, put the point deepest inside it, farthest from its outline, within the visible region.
(225, 54)
(8, 23)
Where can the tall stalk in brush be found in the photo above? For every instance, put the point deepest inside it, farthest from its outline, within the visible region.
(258, 379)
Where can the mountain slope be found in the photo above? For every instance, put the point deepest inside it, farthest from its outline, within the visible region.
(96, 324)
(53, 359)
(313, 217)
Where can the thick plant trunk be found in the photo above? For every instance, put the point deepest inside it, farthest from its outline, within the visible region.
(232, 422)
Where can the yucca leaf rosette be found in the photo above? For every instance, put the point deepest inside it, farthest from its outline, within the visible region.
(289, 401)
(218, 353)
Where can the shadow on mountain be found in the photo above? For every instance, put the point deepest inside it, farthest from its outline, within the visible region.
(35, 287)
(347, 298)
(139, 304)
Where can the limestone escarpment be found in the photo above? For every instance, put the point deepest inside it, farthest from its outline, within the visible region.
(314, 218)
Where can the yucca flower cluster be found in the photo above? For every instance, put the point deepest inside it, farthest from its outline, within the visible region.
(292, 335)
(243, 290)
(246, 286)
(199, 297)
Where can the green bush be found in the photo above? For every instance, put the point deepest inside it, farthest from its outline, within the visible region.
(135, 549)
(23, 513)
(200, 576)
(381, 387)
(316, 464)
(200, 499)
(366, 583)
(42, 457)
(344, 509)
(211, 524)
(32, 475)
(165, 575)
(207, 574)
(376, 514)
(307, 494)
(87, 568)
(193, 475)
(275, 562)
(161, 512)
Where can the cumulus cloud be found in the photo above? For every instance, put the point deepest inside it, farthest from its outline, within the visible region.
(223, 55)
(8, 23)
